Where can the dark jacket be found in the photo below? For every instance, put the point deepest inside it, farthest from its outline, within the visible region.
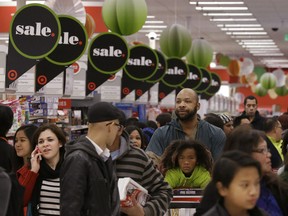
(276, 160)
(258, 121)
(219, 210)
(142, 171)
(88, 184)
(211, 136)
(6, 152)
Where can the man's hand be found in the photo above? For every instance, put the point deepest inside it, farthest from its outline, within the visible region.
(135, 210)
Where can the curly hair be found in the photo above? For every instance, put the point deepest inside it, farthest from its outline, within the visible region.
(172, 152)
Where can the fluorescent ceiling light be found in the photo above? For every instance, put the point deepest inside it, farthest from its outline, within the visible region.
(154, 21)
(149, 30)
(249, 36)
(262, 48)
(227, 14)
(233, 19)
(259, 40)
(263, 51)
(38, 2)
(268, 54)
(154, 26)
(242, 29)
(220, 8)
(150, 17)
(237, 25)
(275, 60)
(255, 46)
(216, 3)
(246, 33)
(256, 43)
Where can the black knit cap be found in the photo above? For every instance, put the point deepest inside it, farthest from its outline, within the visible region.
(102, 111)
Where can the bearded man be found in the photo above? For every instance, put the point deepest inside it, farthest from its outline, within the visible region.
(187, 126)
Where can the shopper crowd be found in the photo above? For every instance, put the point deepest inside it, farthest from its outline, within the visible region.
(240, 163)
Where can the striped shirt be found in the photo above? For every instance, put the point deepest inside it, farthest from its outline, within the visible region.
(50, 197)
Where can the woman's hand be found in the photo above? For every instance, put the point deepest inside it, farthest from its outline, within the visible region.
(135, 210)
(35, 160)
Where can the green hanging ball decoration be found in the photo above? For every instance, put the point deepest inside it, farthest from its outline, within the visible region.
(124, 17)
(175, 41)
(200, 54)
(281, 91)
(268, 80)
(259, 71)
(260, 91)
(224, 60)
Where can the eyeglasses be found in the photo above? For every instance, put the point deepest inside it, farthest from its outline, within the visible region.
(120, 127)
(262, 150)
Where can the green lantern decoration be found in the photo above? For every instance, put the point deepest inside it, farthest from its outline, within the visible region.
(268, 80)
(224, 60)
(175, 41)
(259, 71)
(281, 91)
(200, 54)
(260, 91)
(124, 17)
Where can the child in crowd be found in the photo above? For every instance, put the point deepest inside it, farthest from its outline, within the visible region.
(136, 136)
(238, 186)
(46, 161)
(187, 164)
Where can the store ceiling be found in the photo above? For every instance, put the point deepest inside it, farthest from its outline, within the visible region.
(270, 14)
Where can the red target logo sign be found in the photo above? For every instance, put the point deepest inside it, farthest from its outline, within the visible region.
(12, 75)
(161, 95)
(42, 80)
(91, 86)
(126, 91)
(139, 92)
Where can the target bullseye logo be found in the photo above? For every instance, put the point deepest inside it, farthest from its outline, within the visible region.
(161, 95)
(126, 91)
(139, 92)
(42, 80)
(91, 86)
(12, 75)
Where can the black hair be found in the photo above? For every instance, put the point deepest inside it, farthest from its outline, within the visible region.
(6, 119)
(232, 162)
(57, 131)
(172, 152)
(214, 119)
(244, 138)
(237, 120)
(270, 124)
(29, 131)
(283, 119)
(129, 129)
(163, 118)
(250, 97)
(151, 124)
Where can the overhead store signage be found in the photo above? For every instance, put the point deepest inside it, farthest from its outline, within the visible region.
(194, 77)
(35, 31)
(108, 53)
(176, 73)
(215, 84)
(94, 79)
(164, 90)
(34, 34)
(205, 81)
(142, 63)
(162, 67)
(72, 43)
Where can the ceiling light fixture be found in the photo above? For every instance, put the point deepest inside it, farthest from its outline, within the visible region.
(237, 25)
(227, 14)
(246, 33)
(220, 8)
(154, 21)
(268, 54)
(149, 30)
(242, 29)
(216, 3)
(154, 26)
(249, 36)
(233, 19)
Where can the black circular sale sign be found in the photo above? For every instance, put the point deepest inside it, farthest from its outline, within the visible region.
(35, 31)
(108, 53)
(162, 67)
(142, 63)
(176, 73)
(194, 77)
(72, 43)
(215, 84)
(205, 81)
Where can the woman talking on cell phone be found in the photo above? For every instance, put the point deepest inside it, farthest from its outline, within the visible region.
(46, 160)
